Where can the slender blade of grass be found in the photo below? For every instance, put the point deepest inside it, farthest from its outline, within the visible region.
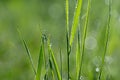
(53, 77)
(40, 61)
(78, 56)
(54, 61)
(106, 41)
(61, 62)
(51, 69)
(29, 55)
(27, 50)
(84, 37)
(67, 35)
(67, 15)
(75, 20)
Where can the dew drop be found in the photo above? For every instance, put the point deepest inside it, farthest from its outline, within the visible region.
(81, 78)
(97, 69)
(50, 45)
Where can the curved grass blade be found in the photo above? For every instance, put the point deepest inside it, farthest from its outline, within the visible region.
(106, 41)
(84, 37)
(40, 61)
(27, 50)
(54, 61)
(75, 20)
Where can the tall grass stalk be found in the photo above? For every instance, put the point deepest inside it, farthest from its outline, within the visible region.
(78, 55)
(84, 37)
(106, 40)
(67, 36)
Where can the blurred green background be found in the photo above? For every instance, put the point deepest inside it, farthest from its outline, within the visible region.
(48, 16)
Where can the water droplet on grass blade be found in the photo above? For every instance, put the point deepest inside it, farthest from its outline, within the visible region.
(81, 78)
(97, 69)
(50, 45)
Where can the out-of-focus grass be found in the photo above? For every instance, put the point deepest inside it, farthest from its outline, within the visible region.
(50, 17)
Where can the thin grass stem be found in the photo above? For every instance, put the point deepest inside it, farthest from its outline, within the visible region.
(67, 35)
(84, 37)
(61, 62)
(106, 41)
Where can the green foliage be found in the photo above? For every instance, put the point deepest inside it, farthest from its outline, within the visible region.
(87, 64)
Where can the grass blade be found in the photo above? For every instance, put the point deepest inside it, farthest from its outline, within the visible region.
(51, 69)
(106, 41)
(67, 15)
(29, 55)
(40, 61)
(75, 20)
(54, 61)
(27, 50)
(61, 62)
(67, 35)
(78, 56)
(84, 37)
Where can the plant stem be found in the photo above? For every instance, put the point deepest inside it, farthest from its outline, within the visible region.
(68, 55)
(67, 35)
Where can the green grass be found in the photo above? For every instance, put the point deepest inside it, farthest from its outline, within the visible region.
(80, 47)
